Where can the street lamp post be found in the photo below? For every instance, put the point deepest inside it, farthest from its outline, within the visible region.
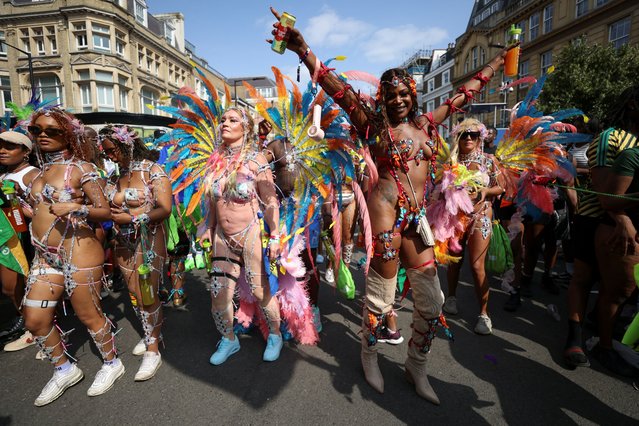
(235, 85)
(235, 91)
(29, 59)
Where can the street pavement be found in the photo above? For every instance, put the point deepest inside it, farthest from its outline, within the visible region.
(516, 376)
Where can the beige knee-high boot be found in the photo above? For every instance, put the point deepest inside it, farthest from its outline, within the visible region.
(428, 299)
(380, 295)
(372, 373)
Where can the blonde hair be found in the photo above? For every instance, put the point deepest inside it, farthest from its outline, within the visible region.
(468, 124)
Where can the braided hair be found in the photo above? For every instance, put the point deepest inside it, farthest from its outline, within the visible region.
(392, 78)
(621, 116)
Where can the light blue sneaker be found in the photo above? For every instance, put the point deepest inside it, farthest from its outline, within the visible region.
(225, 348)
(274, 345)
(286, 335)
(317, 319)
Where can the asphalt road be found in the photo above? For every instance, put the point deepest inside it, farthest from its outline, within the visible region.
(515, 376)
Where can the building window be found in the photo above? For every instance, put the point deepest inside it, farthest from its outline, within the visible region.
(3, 48)
(123, 92)
(85, 97)
(475, 57)
(430, 85)
(266, 92)
(54, 45)
(26, 44)
(548, 12)
(48, 88)
(523, 71)
(619, 32)
(124, 99)
(140, 56)
(101, 37)
(534, 26)
(5, 91)
(81, 41)
(581, 8)
(169, 33)
(430, 106)
(40, 46)
(467, 64)
(120, 43)
(148, 98)
(443, 99)
(482, 56)
(84, 75)
(107, 77)
(140, 11)
(521, 25)
(600, 2)
(546, 61)
(446, 77)
(80, 33)
(105, 97)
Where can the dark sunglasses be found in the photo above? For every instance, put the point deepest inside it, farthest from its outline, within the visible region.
(473, 135)
(50, 131)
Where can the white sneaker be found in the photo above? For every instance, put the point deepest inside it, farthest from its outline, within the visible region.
(450, 305)
(21, 342)
(58, 384)
(330, 276)
(140, 348)
(484, 325)
(150, 364)
(105, 378)
(39, 355)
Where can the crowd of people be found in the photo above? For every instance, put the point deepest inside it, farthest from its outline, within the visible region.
(257, 196)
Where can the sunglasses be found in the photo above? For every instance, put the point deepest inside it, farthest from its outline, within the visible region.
(50, 131)
(473, 135)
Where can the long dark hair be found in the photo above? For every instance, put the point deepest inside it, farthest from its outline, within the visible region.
(620, 116)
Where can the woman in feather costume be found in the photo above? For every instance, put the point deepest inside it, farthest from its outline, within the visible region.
(242, 198)
(219, 188)
(482, 183)
(402, 144)
(313, 161)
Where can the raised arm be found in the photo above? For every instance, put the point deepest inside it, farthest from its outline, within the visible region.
(341, 92)
(468, 90)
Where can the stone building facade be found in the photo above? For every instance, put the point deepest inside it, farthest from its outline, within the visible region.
(96, 55)
(547, 26)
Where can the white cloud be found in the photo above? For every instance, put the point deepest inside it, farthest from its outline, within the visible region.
(330, 30)
(391, 44)
(265, 23)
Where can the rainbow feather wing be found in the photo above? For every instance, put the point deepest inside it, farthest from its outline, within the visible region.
(194, 138)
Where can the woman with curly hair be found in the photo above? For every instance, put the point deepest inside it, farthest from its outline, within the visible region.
(140, 202)
(65, 197)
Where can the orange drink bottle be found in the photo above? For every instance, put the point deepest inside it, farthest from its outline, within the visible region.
(511, 63)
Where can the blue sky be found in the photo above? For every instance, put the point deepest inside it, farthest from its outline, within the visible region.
(374, 35)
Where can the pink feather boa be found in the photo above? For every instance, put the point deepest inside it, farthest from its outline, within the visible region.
(295, 308)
